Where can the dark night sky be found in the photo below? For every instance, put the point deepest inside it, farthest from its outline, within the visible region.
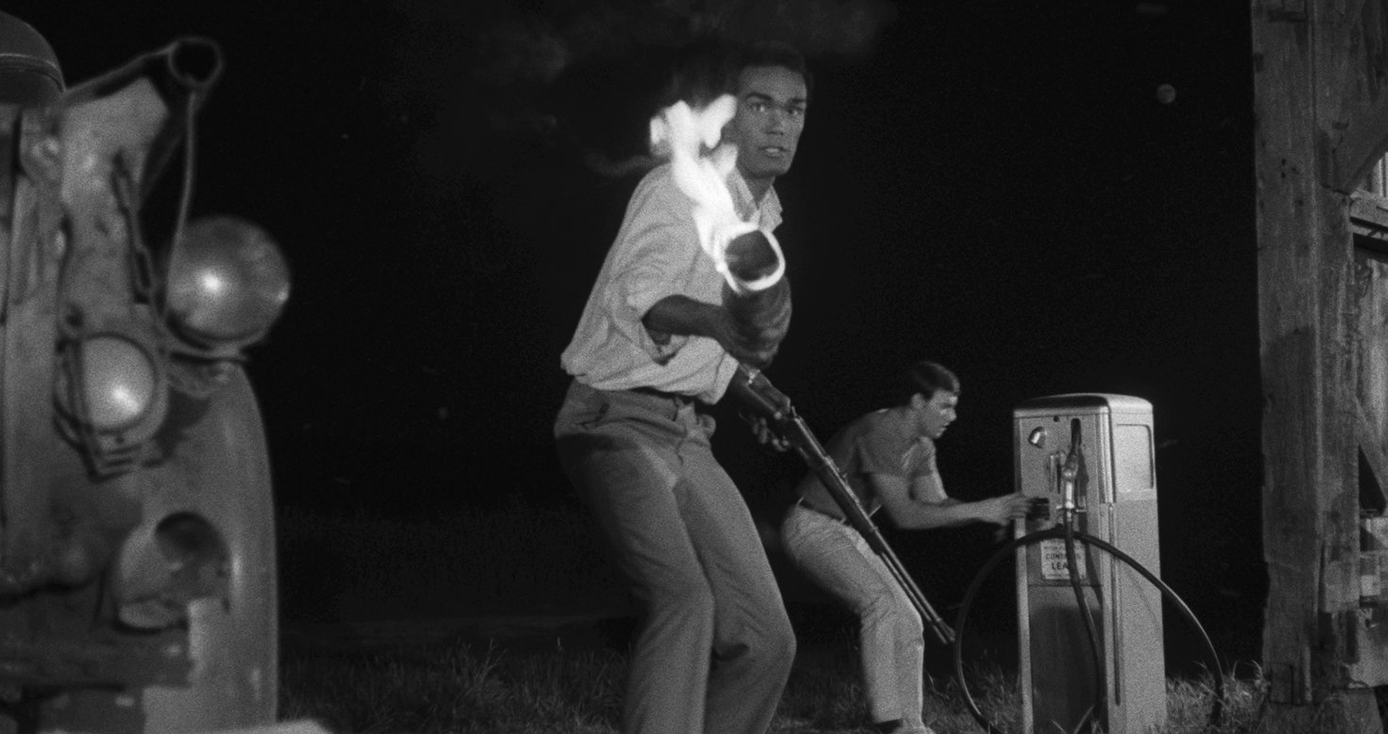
(991, 184)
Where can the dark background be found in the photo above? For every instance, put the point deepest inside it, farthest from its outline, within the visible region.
(992, 184)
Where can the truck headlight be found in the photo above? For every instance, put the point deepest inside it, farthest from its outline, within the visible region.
(111, 391)
(118, 382)
(226, 283)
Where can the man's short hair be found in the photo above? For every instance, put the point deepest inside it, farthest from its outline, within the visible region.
(772, 53)
(705, 70)
(928, 378)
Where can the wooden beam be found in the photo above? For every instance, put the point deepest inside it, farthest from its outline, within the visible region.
(1284, 11)
(1371, 443)
(1371, 369)
(1361, 146)
(1310, 456)
(1289, 341)
(1354, 7)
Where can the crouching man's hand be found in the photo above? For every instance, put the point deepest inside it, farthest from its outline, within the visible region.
(1003, 510)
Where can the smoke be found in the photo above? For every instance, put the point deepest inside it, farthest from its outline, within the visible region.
(514, 52)
(568, 75)
(538, 44)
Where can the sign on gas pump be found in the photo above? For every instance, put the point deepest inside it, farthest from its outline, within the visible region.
(1055, 566)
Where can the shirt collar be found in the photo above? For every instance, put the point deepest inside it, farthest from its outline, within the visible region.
(768, 215)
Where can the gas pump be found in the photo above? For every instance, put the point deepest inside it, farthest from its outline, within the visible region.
(1090, 642)
(1089, 459)
(1091, 653)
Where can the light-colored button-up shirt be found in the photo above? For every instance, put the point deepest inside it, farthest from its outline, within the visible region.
(657, 254)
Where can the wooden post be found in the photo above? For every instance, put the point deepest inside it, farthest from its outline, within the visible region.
(1310, 84)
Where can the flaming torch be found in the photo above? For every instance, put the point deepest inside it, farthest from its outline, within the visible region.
(756, 292)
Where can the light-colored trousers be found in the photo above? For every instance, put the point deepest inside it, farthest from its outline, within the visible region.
(715, 647)
(891, 642)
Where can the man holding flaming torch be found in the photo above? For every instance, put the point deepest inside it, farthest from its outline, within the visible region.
(691, 288)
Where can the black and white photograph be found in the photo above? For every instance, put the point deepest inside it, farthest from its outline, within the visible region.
(694, 366)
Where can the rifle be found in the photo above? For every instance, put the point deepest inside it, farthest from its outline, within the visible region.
(757, 392)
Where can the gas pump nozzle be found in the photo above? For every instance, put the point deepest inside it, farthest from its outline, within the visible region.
(1070, 471)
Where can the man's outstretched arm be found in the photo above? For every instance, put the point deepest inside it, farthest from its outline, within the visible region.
(926, 505)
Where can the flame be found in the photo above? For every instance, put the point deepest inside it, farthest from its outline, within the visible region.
(684, 133)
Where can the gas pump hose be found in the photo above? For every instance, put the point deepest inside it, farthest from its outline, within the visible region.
(1062, 531)
(1090, 629)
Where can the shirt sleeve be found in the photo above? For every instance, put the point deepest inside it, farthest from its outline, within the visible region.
(925, 461)
(876, 456)
(656, 258)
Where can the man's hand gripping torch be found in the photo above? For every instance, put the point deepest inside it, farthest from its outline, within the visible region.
(754, 390)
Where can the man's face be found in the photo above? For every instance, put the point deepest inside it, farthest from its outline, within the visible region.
(937, 413)
(770, 116)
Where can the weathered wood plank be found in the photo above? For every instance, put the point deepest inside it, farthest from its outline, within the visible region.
(1360, 68)
(1371, 369)
(1310, 508)
(1361, 146)
(302, 726)
(1286, 216)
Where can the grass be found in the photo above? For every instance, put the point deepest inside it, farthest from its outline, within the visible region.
(461, 688)
(515, 559)
(542, 560)
(454, 689)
